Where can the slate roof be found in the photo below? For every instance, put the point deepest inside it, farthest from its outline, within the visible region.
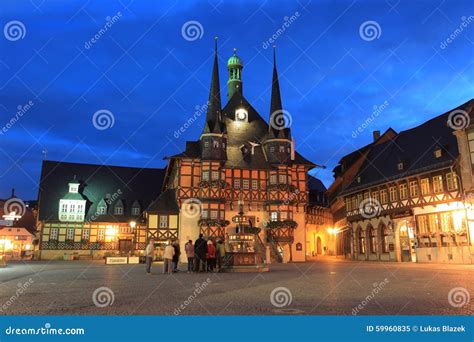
(127, 184)
(165, 203)
(415, 148)
(238, 134)
(317, 191)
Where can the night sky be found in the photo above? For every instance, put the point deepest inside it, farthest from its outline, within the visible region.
(150, 76)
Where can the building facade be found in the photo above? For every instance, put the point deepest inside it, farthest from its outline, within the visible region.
(239, 161)
(410, 199)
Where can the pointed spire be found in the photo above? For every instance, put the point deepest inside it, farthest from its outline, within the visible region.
(276, 107)
(213, 116)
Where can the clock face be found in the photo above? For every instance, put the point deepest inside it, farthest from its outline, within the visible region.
(241, 114)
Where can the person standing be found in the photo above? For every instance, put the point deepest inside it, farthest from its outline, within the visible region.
(168, 258)
(200, 250)
(189, 248)
(150, 255)
(177, 253)
(211, 256)
(220, 254)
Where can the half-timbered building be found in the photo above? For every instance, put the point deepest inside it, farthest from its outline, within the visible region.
(409, 199)
(239, 158)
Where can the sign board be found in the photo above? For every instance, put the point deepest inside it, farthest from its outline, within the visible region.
(116, 260)
(7, 223)
(133, 260)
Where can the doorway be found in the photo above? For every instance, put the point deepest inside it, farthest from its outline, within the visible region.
(125, 246)
(405, 243)
(319, 248)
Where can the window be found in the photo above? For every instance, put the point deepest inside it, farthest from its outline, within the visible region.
(274, 216)
(413, 189)
(72, 208)
(423, 224)
(384, 239)
(163, 221)
(135, 211)
(375, 196)
(206, 144)
(446, 221)
(273, 179)
(236, 183)
(383, 196)
(215, 144)
(281, 148)
(438, 153)
(348, 204)
(437, 184)
(400, 166)
(272, 148)
(70, 234)
(393, 194)
(245, 184)
(433, 222)
(353, 202)
(101, 210)
(118, 211)
(205, 214)
(366, 195)
(205, 175)
(451, 181)
(214, 214)
(53, 234)
(254, 184)
(80, 209)
(101, 234)
(359, 199)
(403, 191)
(372, 240)
(64, 208)
(215, 175)
(470, 138)
(425, 186)
(282, 179)
(361, 240)
(85, 234)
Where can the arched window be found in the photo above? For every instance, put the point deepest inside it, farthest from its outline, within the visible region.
(372, 239)
(384, 238)
(361, 239)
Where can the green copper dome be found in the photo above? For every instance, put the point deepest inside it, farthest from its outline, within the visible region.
(234, 60)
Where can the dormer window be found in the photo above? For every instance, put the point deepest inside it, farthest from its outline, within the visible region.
(101, 207)
(206, 144)
(282, 148)
(136, 208)
(358, 179)
(118, 211)
(215, 144)
(438, 153)
(400, 166)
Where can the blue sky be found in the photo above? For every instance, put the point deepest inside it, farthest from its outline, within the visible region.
(144, 71)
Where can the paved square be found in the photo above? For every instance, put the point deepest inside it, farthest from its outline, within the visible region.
(328, 287)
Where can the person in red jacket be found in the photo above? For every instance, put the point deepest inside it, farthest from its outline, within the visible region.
(211, 256)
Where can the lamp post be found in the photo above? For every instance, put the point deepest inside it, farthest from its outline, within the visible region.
(133, 224)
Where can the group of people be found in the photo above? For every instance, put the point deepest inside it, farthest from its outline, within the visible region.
(203, 256)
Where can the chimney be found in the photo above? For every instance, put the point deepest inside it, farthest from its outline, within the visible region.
(376, 135)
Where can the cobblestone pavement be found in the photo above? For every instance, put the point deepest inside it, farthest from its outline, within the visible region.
(328, 287)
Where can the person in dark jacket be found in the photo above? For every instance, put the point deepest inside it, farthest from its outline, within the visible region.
(176, 255)
(200, 250)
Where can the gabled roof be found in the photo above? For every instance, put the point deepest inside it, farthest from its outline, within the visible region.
(165, 203)
(127, 184)
(414, 148)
